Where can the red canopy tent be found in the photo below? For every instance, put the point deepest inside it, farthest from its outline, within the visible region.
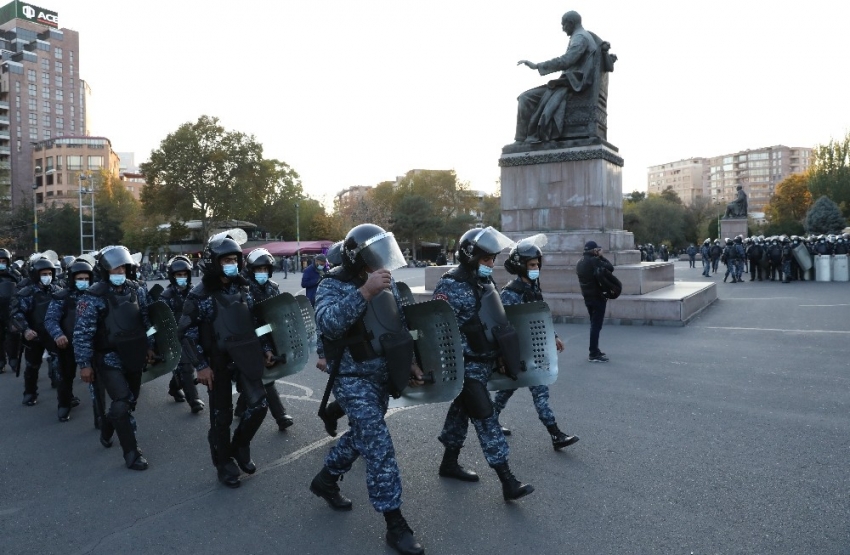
(289, 248)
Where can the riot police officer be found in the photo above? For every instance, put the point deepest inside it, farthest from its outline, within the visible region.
(525, 261)
(217, 330)
(59, 322)
(9, 340)
(739, 258)
(359, 315)
(787, 258)
(754, 255)
(774, 254)
(470, 291)
(259, 265)
(29, 308)
(182, 385)
(715, 252)
(111, 342)
(333, 412)
(705, 253)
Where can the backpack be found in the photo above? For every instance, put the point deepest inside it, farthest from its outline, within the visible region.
(609, 284)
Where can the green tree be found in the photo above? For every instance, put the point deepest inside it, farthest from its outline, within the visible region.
(114, 208)
(636, 196)
(825, 217)
(790, 201)
(829, 173)
(414, 219)
(449, 197)
(16, 230)
(657, 220)
(206, 172)
(671, 195)
(276, 213)
(59, 229)
(697, 215)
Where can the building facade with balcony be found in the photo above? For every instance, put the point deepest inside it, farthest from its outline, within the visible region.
(64, 165)
(41, 95)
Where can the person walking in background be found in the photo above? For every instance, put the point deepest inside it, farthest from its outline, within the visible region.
(312, 276)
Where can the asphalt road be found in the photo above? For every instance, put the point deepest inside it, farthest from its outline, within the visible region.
(729, 435)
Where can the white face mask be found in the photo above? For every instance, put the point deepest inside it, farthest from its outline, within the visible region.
(533, 274)
(45, 280)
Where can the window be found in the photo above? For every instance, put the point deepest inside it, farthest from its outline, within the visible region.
(18, 87)
(57, 51)
(33, 119)
(57, 66)
(58, 193)
(60, 109)
(18, 118)
(49, 163)
(60, 95)
(45, 120)
(47, 134)
(59, 163)
(57, 80)
(72, 125)
(33, 133)
(45, 106)
(71, 54)
(31, 104)
(59, 178)
(31, 88)
(71, 70)
(95, 162)
(60, 123)
(45, 92)
(45, 64)
(31, 75)
(50, 180)
(39, 164)
(75, 162)
(45, 78)
(50, 193)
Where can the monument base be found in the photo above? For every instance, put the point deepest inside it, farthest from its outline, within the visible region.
(731, 227)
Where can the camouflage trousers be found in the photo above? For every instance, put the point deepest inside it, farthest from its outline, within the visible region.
(490, 436)
(739, 268)
(540, 396)
(365, 403)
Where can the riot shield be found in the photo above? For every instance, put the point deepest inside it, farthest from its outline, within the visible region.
(309, 316)
(282, 314)
(438, 351)
(803, 257)
(407, 298)
(156, 291)
(164, 331)
(533, 324)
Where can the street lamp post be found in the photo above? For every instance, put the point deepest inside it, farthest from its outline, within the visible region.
(298, 233)
(83, 222)
(35, 210)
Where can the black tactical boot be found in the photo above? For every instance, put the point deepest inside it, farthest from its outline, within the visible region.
(333, 412)
(324, 485)
(75, 402)
(400, 536)
(559, 438)
(228, 474)
(64, 414)
(30, 399)
(135, 461)
(242, 455)
(284, 422)
(511, 487)
(174, 391)
(450, 468)
(197, 406)
(725, 278)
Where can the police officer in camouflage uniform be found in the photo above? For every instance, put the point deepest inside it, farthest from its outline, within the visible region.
(259, 265)
(333, 411)
(705, 253)
(59, 322)
(359, 315)
(182, 385)
(110, 341)
(217, 330)
(739, 257)
(525, 261)
(29, 308)
(470, 291)
(9, 340)
(787, 257)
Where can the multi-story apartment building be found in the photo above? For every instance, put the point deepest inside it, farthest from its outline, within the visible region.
(64, 165)
(716, 178)
(41, 95)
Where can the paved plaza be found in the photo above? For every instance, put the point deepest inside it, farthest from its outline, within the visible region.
(729, 435)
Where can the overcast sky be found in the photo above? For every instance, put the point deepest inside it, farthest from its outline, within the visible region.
(355, 93)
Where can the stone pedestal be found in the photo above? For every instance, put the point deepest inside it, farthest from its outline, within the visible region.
(730, 227)
(574, 195)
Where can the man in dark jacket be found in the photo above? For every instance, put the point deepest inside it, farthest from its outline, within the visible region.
(312, 276)
(594, 300)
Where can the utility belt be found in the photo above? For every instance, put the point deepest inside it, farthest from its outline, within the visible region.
(480, 358)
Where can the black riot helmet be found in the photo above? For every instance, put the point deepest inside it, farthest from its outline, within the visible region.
(728, 241)
(334, 254)
(218, 246)
(370, 246)
(66, 261)
(41, 264)
(115, 256)
(78, 266)
(477, 243)
(522, 252)
(739, 239)
(260, 257)
(179, 263)
(4, 253)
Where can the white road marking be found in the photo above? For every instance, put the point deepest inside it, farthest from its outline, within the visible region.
(774, 329)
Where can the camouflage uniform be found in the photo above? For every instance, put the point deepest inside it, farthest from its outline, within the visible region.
(361, 388)
(539, 393)
(199, 310)
(29, 307)
(62, 303)
(460, 295)
(121, 384)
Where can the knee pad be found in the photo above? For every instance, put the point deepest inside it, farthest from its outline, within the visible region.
(120, 409)
(223, 418)
(476, 399)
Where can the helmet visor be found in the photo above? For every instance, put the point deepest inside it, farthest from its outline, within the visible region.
(529, 245)
(381, 252)
(491, 241)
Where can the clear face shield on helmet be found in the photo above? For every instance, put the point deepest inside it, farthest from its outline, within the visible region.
(492, 241)
(381, 252)
(527, 247)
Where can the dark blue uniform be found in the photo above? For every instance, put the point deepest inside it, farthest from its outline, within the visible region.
(28, 310)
